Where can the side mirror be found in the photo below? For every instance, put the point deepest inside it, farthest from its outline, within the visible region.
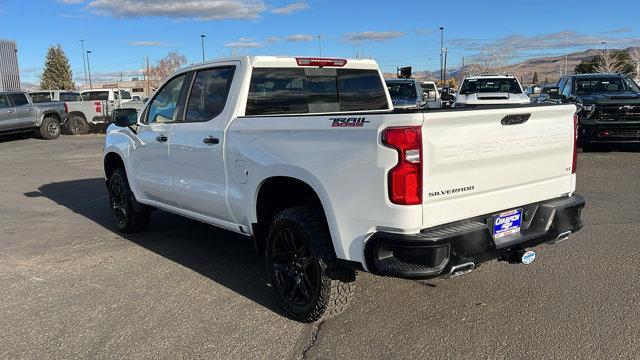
(124, 117)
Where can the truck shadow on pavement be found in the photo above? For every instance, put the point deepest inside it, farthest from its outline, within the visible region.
(223, 256)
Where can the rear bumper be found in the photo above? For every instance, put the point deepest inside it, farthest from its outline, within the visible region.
(612, 132)
(436, 251)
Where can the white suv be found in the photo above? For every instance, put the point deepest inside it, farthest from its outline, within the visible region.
(490, 90)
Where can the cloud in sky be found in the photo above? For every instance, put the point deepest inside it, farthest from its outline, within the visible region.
(244, 43)
(618, 31)
(424, 31)
(372, 36)
(291, 8)
(147, 43)
(299, 37)
(70, 1)
(556, 40)
(194, 9)
(273, 39)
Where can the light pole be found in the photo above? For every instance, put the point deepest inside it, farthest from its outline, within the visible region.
(441, 52)
(89, 68)
(320, 44)
(444, 69)
(84, 62)
(202, 36)
(566, 54)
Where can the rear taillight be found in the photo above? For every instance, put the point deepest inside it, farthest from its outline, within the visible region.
(574, 163)
(405, 179)
(66, 108)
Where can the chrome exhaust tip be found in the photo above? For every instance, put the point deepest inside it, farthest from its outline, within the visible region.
(561, 237)
(461, 269)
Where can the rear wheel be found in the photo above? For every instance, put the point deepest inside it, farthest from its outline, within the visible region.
(126, 217)
(50, 128)
(78, 125)
(303, 269)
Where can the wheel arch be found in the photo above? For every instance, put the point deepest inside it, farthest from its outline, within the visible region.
(278, 192)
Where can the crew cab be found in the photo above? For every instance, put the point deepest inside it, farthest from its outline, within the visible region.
(308, 157)
(18, 114)
(609, 107)
(484, 90)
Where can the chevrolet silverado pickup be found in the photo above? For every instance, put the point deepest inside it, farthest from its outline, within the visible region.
(609, 107)
(308, 157)
(18, 114)
(483, 90)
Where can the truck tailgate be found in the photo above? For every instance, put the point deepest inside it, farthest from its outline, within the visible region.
(476, 163)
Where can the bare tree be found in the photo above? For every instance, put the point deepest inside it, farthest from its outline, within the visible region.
(613, 61)
(491, 60)
(165, 67)
(634, 55)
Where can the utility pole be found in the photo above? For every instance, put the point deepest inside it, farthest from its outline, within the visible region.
(566, 54)
(320, 44)
(84, 62)
(444, 71)
(121, 77)
(441, 52)
(146, 58)
(89, 68)
(202, 36)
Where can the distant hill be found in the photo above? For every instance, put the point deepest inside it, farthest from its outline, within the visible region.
(547, 67)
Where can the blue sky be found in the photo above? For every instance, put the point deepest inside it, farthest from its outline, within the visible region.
(120, 33)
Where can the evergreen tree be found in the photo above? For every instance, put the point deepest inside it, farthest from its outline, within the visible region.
(57, 72)
(535, 77)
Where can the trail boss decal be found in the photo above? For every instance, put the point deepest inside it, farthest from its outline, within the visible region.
(348, 122)
(451, 191)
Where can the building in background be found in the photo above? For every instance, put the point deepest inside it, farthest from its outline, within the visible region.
(9, 74)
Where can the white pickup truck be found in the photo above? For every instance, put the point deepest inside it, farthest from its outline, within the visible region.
(483, 90)
(308, 157)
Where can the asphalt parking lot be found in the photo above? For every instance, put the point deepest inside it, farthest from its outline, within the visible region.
(73, 288)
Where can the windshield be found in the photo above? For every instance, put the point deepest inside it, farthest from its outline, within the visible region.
(428, 87)
(473, 86)
(404, 90)
(125, 95)
(38, 97)
(605, 84)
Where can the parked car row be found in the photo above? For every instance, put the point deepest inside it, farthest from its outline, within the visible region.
(46, 112)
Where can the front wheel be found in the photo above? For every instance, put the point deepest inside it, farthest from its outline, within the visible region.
(50, 128)
(126, 217)
(303, 269)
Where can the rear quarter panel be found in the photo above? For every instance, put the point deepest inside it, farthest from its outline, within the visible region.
(346, 166)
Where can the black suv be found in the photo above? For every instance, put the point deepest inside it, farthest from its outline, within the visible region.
(608, 107)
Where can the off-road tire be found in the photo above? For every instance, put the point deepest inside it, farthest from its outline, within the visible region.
(127, 218)
(49, 129)
(334, 285)
(77, 125)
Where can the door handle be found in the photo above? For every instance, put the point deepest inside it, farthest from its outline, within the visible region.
(30, 109)
(211, 140)
(10, 111)
(161, 138)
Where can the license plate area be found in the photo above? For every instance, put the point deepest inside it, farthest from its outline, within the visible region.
(507, 223)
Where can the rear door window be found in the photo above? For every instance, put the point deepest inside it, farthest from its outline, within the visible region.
(4, 102)
(209, 94)
(310, 90)
(19, 99)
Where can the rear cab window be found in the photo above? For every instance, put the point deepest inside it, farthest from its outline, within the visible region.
(303, 90)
